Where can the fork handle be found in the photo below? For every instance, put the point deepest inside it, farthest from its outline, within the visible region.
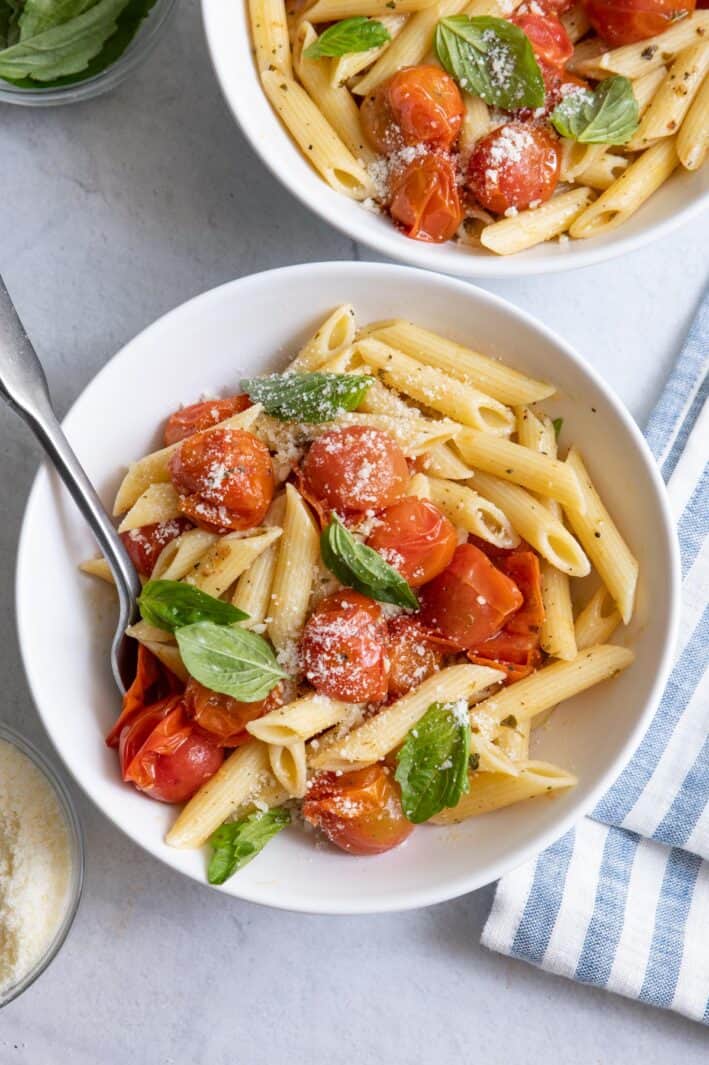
(24, 386)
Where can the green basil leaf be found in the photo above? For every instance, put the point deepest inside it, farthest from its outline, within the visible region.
(171, 605)
(307, 397)
(557, 423)
(363, 569)
(127, 24)
(237, 842)
(491, 58)
(357, 34)
(230, 660)
(432, 763)
(609, 115)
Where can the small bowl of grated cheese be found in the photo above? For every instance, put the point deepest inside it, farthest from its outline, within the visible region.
(41, 864)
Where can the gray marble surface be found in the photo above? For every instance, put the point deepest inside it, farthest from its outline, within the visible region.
(113, 212)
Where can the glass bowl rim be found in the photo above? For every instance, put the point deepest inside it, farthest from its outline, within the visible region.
(77, 848)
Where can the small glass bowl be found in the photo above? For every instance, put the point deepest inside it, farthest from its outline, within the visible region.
(141, 45)
(76, 844)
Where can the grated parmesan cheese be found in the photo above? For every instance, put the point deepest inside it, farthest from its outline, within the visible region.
(35, 865)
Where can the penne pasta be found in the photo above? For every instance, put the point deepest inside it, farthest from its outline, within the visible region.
(269, 32)
(531, 227)
(332, 10)
(494, 791)
(635, 60)
(169, 655)
(597, 621)
(376, 737)
(442, 461)
(227, 558)
(576, 22)
(335, 334)
(98, 567)
(513, 741)
(467, 510)
(673, 98)
(347, 66)
(316, 138)
(476, 123)
(605, 170)
(158, 503)
(298, 553)
(603, 542)
(181, 555)
(253, 588)
(289, 768)
(693, 137)
(299, 720)
(576, 157)
(535, 524)
(482, 372)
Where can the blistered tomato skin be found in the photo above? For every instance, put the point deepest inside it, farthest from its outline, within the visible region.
(550, 41)
(415, 538)
(355, 469)
(360, 812)
(343, 650)
(621, 22)
(424, 199)
(417, 105)
(145, 544)
(224, 479)
(514, 167)
(413, 656)
(199, 416)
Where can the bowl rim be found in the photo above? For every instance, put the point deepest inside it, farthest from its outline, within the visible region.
(78, 859)
(464, 883)
(411, 252)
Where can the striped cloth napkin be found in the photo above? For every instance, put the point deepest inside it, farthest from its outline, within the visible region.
(622, 901)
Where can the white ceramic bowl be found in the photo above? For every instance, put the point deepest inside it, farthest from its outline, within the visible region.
(250, 326)
(229, 41)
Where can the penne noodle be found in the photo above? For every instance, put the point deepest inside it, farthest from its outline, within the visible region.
(535, 524)
(576, 158)
(598, 620)
(531, 227)
(599, 535)
(169, 655)
(269, 31)
(332, 10)
(491, 757)
(253, 588)
(605, 170)
(451, 397)
(98, 567)
(467, 510)
(299, 720)
(576, 22)
(481, 371)
(672, 100)
(494, 791)
(371, 741)
(289, 768)
(551, 685)
(316, 138)
(227, 558)
(145, 633)
(298, 553)
(585, 52)
(644, 88)
(476, 123)
(442, 461)
(635, 60)
(693, 137)
(182, 554)
(158, 503)
(513, 741)
(335, 334)
(349, 65)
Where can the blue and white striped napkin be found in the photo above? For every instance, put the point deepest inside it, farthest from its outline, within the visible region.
(622, 901)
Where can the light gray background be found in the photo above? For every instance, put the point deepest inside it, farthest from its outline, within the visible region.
(113, 212)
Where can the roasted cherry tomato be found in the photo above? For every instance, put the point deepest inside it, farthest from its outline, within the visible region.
(145, 544)
(523, 568)
(550, 41)
(515, 166)
(360, 811)
(471, 600)
(413, 655)
(224, 479)
(198, 416)
(356, 469)
(552, 7)
(417, 105)
(512, 671)
(153, 682)
(344, 648)
(625, 21)
(558, 83)
(424, 199)
(506, 646)
(223, 717)
(415, 538)
(165, 755)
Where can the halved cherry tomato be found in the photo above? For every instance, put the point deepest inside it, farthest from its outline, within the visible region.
(145, 544)
(523, 568)
(165, 755)
(356, 469)
(343, 648)
(224, 479)
(360, 812)
(471, 600)
(424, 199)
(513, 672)
(203, 415)
(625, 21)
(223, 717)
(415, 538)
(506, 646)
(550, 41)
(153, 682)
(514, 166)
(417, 105)
(413, 655)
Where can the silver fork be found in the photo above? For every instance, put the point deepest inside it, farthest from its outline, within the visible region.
(24, 386)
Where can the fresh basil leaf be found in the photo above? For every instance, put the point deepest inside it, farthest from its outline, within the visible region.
(357, 34)
(491, 58)
(171, 605)
(609, 115)
(307, 397)
(230, 660)
(363, 569)
(557, 423)
(237, 842)
(62, 49)
(433, 761)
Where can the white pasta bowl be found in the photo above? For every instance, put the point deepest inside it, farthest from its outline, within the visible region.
(250, 326)
(229, 40)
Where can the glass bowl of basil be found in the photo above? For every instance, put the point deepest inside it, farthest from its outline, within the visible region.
(61, 51)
